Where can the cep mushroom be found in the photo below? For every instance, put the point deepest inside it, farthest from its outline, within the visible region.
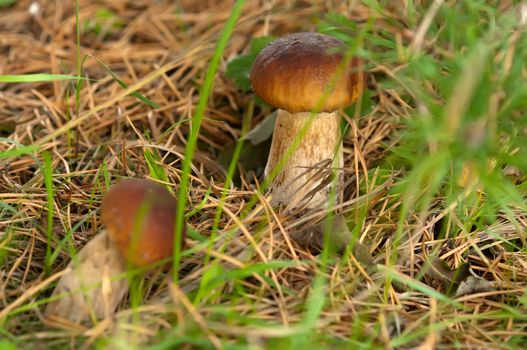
(302, 74)
(139, 217)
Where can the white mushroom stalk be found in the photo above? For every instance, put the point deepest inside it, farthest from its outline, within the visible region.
(305, 174)
(92, 286)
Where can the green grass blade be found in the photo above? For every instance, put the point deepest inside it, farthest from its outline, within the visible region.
(125, 86)
(196, 124)
(47, 172)
(36, 78)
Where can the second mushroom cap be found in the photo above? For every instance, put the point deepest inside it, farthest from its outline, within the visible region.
(139, 216)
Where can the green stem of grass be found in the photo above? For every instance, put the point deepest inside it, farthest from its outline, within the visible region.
(47, 172)
(79, 73)
(195, 127)
(230, 174)
(37, 78)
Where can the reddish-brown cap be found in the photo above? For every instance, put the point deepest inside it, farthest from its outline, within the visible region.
(139, 216)
(296, 72)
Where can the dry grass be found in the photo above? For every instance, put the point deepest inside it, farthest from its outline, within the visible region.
(162, 50)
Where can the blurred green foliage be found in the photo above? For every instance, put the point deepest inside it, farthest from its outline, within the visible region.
(6, 3)
(239, 68)
(466, 80)
(104, 20)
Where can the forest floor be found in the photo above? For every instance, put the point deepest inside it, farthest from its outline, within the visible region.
(433, 204)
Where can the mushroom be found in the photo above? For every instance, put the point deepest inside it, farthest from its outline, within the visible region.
(139, 217)
(306, 76)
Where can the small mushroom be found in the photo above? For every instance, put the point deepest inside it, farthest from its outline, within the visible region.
(139, 217)
(300, 74)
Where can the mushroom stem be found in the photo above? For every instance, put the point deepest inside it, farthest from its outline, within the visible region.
(92, 287)
(304, 176)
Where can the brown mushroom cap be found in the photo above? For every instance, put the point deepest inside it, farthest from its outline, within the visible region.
(294, 72)
(139, 216)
